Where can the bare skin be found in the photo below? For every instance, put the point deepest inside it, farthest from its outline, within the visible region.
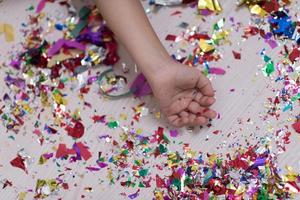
(183, 93)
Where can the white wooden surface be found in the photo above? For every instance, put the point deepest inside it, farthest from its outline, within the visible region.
(247, 101)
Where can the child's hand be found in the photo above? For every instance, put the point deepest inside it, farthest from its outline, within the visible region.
(184, 95)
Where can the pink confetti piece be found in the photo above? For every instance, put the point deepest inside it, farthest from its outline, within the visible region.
(216, 70)
(272, 43)
(40, 6)
(94, 169)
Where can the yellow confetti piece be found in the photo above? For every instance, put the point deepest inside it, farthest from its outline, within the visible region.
(257, 10)
(205, 46)
(240, 190)
(212, 5)
(59, 99)
(42, 160)
(22, 195)
(158, 195)
(8, 30)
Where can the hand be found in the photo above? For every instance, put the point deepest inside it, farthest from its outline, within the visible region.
(184, 95)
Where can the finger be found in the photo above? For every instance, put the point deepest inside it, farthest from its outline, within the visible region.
(177, 123)
(198, 96)
(172, 118)
(201, 120)
(194, 107)
(210, 114)
(183, 121)
(206, 101)
(179, 106)
(204, 85)
(183, 114)
(192, 120)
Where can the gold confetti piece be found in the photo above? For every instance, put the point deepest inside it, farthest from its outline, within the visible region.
(8, 30)
(205, 46)
(257, 10)
(249, 2)
(212, 5)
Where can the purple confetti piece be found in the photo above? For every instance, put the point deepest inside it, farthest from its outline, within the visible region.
(6, 97)
(101, 164)
(15, 64)
(91, 80)
(205, 12)
(258, 162)
(77, 150)
(93, 37)
(140, 87)
(48, 155)
(174, 133)
(272, 43)
(134, 195)
(61, 43)
(18, 82)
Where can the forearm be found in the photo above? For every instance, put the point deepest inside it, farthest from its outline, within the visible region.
(129, 22)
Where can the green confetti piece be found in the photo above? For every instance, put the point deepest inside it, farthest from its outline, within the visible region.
(262, 195)
(287, 107)
(113, 124)
(166, 139)
(205, 72)
(268, 69)
(267, 59)
(125, 152)
(188, 181)
(31, 8)
(176, 182)
(295, 98)
(141, 185)
(83, 15)
(84, 12)
(208, 176)
(11, 137)
(4, 116)
(162, 149)
(143, 172)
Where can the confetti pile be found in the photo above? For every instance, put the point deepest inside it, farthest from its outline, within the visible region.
(46, 74)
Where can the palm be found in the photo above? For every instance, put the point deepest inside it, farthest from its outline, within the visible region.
(184, 96)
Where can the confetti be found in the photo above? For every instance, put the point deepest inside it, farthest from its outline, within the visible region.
(8, 31)
(212, 5)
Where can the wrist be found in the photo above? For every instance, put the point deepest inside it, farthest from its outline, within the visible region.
(154, 69)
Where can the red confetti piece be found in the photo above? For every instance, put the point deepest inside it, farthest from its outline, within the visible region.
(160, 183)
(85, 153)
(236, 55)
(77, 131)
(98, 118)
(63, 151)
(19, 162)
(171, 37)
(176, 13)
(294, 55)
(296, 126)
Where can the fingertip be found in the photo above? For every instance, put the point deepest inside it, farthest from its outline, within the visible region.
(211, 114)
(201, 120)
